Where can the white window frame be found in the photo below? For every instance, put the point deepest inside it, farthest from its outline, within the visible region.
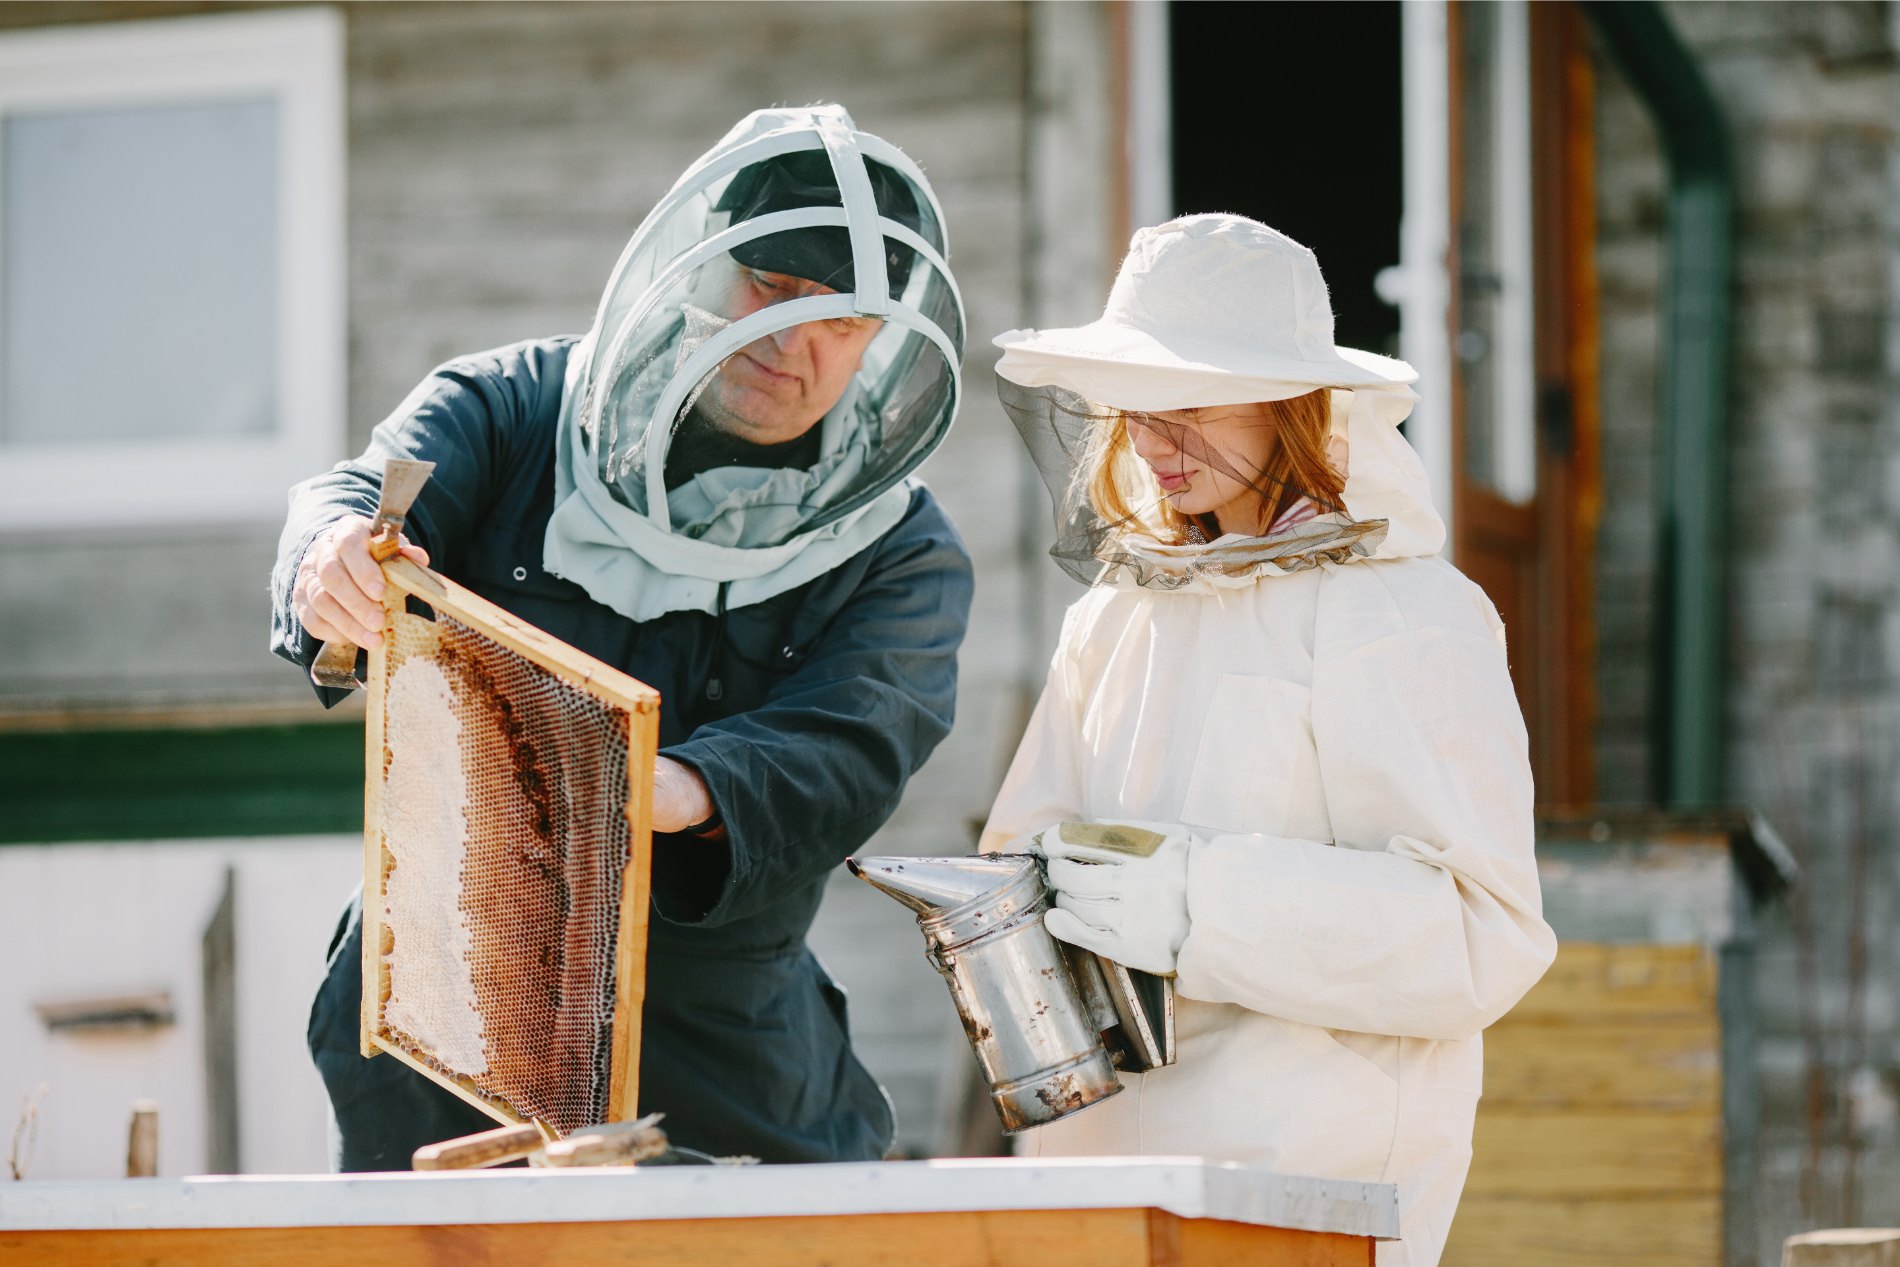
(1422, 284)
(1517, 310)
(297, 58)
(1150, 148)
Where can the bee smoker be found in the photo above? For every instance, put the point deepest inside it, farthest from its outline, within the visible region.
(1050, 1023)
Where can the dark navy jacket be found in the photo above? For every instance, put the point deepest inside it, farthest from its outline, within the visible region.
(831, 696)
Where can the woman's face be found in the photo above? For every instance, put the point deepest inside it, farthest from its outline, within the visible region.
(1210, 461)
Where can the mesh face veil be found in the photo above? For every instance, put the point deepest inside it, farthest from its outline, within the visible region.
(1114, 522)
(792, 285)
(1229, 318)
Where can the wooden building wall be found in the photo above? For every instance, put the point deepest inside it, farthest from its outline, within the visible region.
(498, 158)
(1811, 95)
(1617, 1124)
(1600, 1135)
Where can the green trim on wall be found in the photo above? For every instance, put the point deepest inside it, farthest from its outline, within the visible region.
(1689, 650)
(147, 784)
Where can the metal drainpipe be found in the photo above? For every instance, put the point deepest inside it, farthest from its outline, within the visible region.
(1690, 657)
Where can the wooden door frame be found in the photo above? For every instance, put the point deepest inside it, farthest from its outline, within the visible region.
(1553, 660)
(1569, 451)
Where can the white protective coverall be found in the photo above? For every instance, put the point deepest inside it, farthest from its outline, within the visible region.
(1343, 745)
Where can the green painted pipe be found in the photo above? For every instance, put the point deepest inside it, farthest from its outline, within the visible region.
(1690, 648)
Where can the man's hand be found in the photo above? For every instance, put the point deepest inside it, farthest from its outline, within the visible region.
(339, 590)
(680, 798)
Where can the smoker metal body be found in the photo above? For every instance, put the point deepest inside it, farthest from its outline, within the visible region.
(1049, 1023)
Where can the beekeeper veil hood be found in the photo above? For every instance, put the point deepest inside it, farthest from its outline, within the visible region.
(789, 303)
(1208, 311)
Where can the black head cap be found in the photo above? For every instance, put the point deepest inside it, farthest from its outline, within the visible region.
(822, 253)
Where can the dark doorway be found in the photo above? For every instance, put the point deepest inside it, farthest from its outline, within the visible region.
(1291, 113)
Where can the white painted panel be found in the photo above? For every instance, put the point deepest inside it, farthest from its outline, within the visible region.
(290, 894)
(86, 920)
(1190, 1187)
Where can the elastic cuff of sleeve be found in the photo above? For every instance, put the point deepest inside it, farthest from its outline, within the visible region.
(706, 826)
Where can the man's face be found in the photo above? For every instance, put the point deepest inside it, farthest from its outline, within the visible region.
(774, 389)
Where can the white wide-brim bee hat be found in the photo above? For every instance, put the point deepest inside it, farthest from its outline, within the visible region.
(1206, 310)
(1212, 310)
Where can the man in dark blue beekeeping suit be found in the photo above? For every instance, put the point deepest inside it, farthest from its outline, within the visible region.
(712, 491)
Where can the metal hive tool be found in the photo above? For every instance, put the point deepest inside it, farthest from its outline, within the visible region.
(403, 478)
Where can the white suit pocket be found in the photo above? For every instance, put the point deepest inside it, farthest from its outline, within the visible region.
(1255, 759)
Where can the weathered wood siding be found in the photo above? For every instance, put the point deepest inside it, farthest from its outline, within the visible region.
(499, 156)
(1811, 96)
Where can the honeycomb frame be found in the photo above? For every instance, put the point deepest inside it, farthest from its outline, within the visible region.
(625, 716)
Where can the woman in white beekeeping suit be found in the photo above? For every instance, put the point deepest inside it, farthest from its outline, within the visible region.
(1278, 755)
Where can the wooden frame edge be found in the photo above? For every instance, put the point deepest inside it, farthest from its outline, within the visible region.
(550, 653)
(501, 1113)
(372, 913)
(1584, 370)
(630, 944)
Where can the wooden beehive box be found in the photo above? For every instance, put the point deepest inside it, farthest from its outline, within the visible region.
(1619, 1116)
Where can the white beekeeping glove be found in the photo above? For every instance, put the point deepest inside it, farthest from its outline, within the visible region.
(1121, 890)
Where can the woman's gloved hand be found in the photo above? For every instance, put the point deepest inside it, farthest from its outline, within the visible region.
(1121, 890)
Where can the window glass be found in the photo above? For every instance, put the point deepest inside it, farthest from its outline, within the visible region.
(138, 248)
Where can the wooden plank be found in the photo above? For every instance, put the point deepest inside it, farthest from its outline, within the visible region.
(1569, 477)
(1665, 1231)
(218, 957)
(1843, 1247)
(1220, 1243)
(141, 1147)
(1590, 983)
(1047, 1238)
(1583, 375)
(570, 665)
(630, 944)
(1592, 1153)
(610, 1144)
(484, 1148)
(375, 768)
(1623, 1064)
